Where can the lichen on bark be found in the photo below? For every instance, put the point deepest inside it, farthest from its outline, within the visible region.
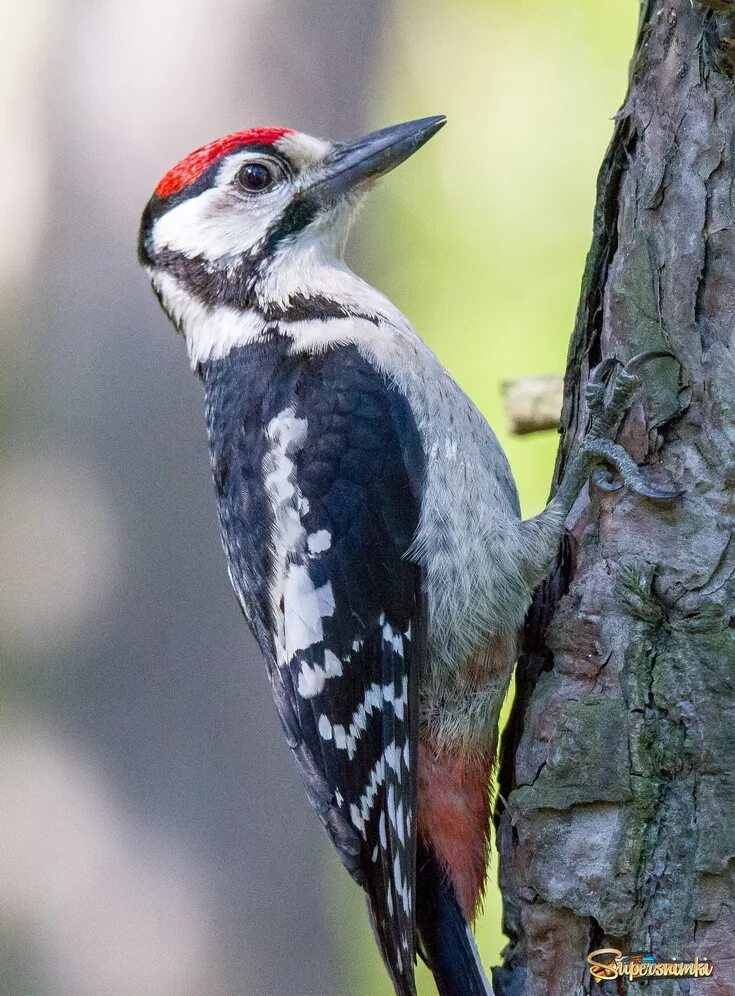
(616, 816)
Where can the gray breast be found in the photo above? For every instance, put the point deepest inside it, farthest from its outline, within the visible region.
(469, 533)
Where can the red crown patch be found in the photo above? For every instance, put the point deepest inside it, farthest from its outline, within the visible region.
(192, 166)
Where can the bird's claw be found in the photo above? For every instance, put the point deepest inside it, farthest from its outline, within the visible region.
(597, 384)
(607, 413)
(600, 374)
(621, 385)
(633, 365)
(657, 494)
(603, 480)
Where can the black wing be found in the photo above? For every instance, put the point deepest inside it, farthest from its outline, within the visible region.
(343, 470)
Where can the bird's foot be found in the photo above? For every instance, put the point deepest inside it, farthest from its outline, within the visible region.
(599, 458)
(609, 394)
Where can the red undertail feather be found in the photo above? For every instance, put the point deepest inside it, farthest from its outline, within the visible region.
(454, 816)
(192, 166)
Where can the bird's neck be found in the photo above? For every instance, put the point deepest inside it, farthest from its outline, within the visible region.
(318, 280)
(217, 310)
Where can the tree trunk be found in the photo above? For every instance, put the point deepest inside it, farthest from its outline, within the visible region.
(616, 820)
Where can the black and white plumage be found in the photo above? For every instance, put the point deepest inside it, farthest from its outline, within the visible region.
(348, 465)
(369, 516)
(334, 485)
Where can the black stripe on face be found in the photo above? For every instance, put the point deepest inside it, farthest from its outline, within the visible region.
(298, 215)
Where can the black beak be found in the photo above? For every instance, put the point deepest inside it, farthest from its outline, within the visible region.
(354, 163)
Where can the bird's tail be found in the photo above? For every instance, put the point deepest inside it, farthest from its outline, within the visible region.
(446, 942)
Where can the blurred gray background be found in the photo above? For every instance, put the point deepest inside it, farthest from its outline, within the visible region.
(157, 837)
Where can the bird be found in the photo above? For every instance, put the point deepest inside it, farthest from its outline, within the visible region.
(369, 517)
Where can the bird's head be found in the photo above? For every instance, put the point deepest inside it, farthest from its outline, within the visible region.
(247, 221)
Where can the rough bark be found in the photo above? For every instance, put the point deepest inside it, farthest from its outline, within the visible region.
(616, 820)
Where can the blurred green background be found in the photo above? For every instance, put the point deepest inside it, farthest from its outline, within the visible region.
(156, 836)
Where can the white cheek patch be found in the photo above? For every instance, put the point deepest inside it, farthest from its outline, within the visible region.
(217, 223)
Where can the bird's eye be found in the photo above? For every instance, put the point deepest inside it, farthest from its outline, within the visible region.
(256, 177)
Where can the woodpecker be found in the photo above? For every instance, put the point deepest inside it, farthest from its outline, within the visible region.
(369, 517)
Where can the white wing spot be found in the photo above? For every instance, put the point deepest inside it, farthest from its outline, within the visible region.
(332, 665)
(392, 806)
(357, 820)
(311, 680)
(319, 541)
(367, 800)
(392, 639)
(401, 886)
(392, 756)
(287, 431)
(287, 434)
(304, 608)
(374, 698)
(304, 605)
(398, 702)
(325, 600)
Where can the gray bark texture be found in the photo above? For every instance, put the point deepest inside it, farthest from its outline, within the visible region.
(616, 815)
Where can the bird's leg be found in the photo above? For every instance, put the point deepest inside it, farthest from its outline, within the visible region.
(609, 394)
